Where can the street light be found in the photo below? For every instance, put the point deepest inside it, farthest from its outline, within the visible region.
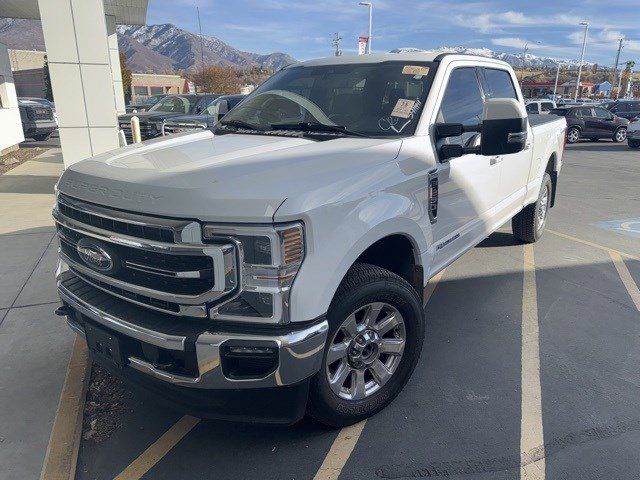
(370, 5)
(555, 86)
(524, 58)
(584, 44)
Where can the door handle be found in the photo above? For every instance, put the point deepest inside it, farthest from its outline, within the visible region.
(495, 160)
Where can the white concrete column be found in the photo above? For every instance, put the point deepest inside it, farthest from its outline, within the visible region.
(75, 36)
(114, 57)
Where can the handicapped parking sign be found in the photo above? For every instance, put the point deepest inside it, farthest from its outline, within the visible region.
(630, 227)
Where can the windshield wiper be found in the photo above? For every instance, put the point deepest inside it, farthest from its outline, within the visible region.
(316, 127)
(241, 124)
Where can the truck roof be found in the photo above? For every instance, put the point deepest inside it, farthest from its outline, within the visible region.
(386, 57)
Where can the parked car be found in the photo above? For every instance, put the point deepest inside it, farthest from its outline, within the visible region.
(143, 104)
(633, 133)
(592, 122)
(38, 121)
(168, 107)
(45, 102)
(625, 108)
(276, 265)
(540, 106)
(211, 115)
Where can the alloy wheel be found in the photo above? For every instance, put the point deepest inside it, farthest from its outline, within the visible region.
(543, 208)
(365, 351)
(621, 135)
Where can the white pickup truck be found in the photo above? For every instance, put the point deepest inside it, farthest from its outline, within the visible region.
(275, 265)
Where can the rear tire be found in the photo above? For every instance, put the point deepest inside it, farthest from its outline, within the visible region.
(528, 225)
(351, 385)
(634, 143)
(573, 135)
(620, 135)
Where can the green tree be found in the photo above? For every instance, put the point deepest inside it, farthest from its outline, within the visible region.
(125, 72)
(48, 91)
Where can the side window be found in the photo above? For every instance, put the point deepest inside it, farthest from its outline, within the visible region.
(497, 83)
(584, 112)
(532, 108)
(634, 106)
(462, 102)
(602, 113)
(546, 106)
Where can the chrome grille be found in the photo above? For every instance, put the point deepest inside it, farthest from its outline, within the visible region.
(159, 263)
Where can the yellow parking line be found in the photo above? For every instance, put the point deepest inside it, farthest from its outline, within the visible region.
(340, 451)
(62, 453)
(346, 440)
(591, 244)
(626, 278)
(531, 432)
(158, 449)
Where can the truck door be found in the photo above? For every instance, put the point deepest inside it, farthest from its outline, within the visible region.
(497, 83)
(468, 185)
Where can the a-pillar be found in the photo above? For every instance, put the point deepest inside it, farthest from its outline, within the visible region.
(75, 35)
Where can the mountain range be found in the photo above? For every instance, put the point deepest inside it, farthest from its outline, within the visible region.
(166, 48)
(534, 62)
(153, 48)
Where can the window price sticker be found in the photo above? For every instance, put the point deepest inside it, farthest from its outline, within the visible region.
(418, 71)
(403, 108)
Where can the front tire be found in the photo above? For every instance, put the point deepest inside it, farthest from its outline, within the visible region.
(634, 143)
(573, 135)
(376, 330)
(528, 225)
(620, 135)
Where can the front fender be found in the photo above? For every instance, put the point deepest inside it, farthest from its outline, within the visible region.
(338, 234)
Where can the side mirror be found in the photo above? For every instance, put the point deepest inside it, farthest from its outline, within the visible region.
(504, 127)
(445, 130)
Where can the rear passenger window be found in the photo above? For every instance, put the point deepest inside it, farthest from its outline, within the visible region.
(546, 106)
(584, 112)
(497, 83)
(532, 108)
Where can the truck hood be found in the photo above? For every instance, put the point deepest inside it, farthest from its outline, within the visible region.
(224, 178)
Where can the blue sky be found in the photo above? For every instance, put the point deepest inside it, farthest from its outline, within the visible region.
(304, 28)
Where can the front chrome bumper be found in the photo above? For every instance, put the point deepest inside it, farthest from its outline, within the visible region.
(300, 350)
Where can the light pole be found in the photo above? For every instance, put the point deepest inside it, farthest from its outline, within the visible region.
(370, 5)
(584, 44)
(524, 58)
(555, 86)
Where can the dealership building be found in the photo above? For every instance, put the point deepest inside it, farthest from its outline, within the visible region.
(84, 65)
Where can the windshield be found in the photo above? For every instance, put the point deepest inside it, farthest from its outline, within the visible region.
(174, 104)
(378, 99)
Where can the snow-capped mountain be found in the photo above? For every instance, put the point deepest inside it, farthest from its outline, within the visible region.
(533, 61)
(153, 48)
(183, 48)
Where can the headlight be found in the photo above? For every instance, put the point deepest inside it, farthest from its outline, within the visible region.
(270, 258)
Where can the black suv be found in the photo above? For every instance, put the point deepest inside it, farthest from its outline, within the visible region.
(170, 106)
(625, 108)
(592, 122)
(211, 115)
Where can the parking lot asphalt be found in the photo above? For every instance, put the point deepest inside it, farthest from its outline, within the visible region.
(522, 343)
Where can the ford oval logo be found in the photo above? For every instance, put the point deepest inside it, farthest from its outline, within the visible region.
(95, 255)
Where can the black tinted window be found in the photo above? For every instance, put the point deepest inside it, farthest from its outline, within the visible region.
(497, 83)
(462, 102)
(561, 112)
(584, 112)
(532, 108)
(546, 106)
(602, 113)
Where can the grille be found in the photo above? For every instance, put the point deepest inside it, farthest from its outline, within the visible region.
(40, 113)
(151, 270)
(149, 264)
(146, 132)
(162, 234)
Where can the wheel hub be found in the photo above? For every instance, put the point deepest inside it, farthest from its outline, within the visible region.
(364, 349)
